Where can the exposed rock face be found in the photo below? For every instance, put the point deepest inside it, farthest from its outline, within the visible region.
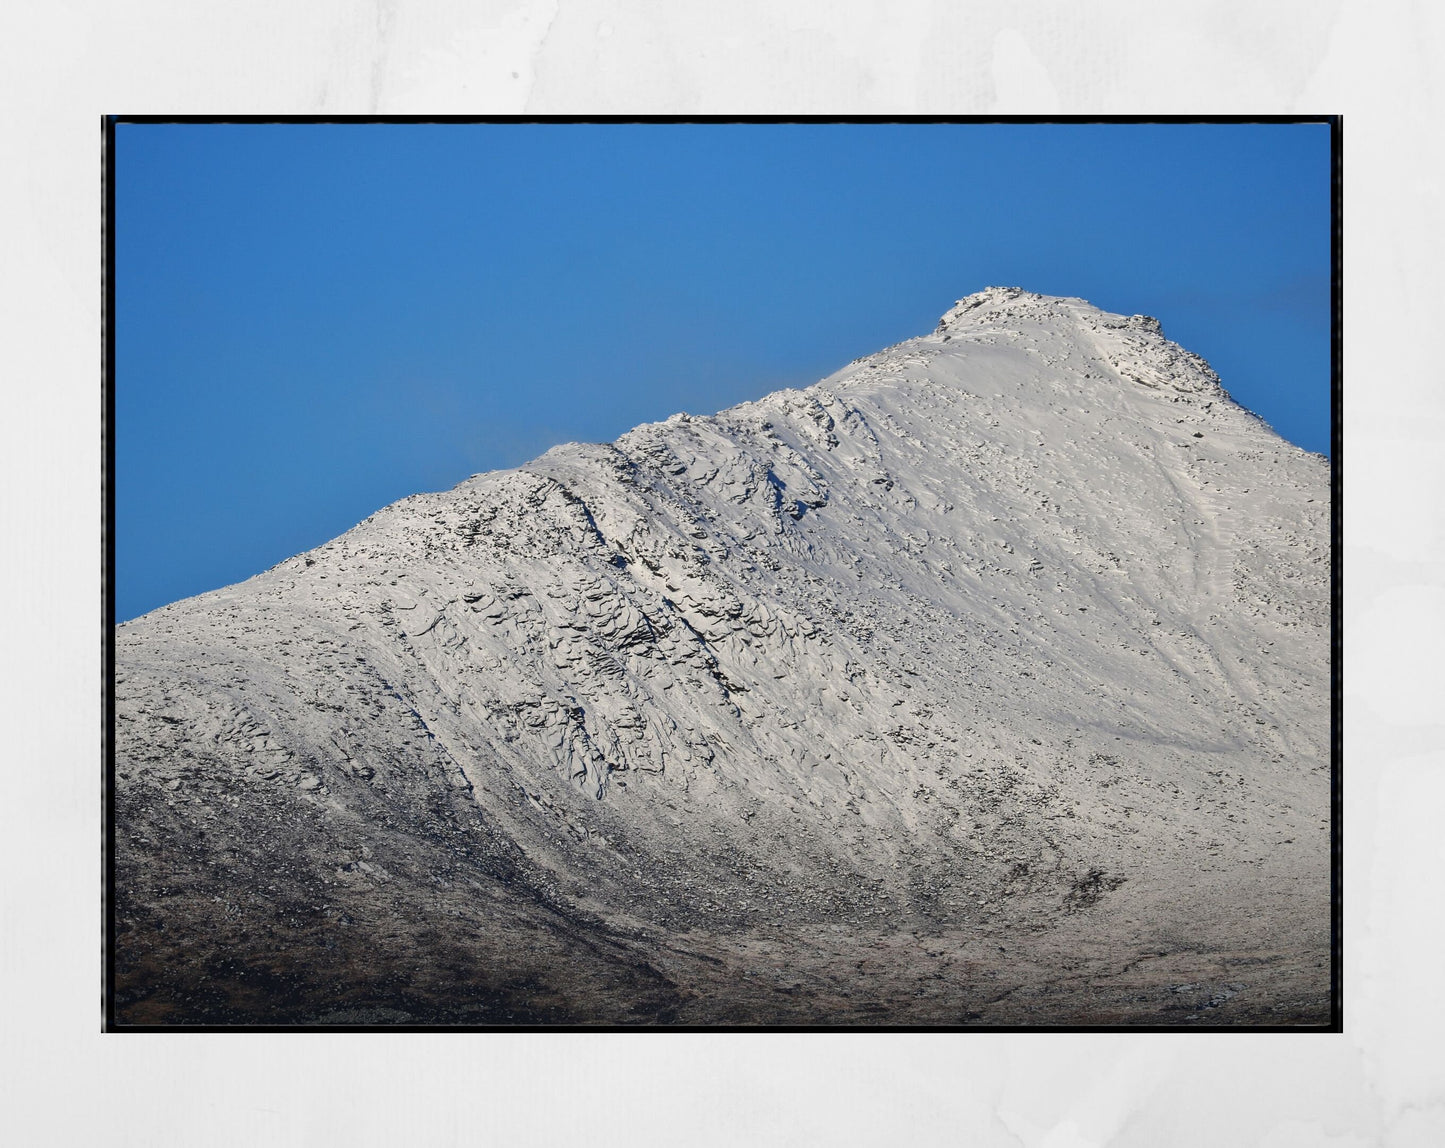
(985, 680)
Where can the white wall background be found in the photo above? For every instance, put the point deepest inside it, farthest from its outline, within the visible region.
(66, 62)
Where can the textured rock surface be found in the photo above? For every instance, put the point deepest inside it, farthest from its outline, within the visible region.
(985, 680)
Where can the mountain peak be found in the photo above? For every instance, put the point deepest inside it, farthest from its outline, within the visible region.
(998, 636)
(1014, 302)
(994, 301)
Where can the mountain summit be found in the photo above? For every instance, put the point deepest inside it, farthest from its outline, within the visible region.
(984, 681)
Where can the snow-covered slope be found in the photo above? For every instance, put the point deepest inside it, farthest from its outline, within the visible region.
(1012, 635)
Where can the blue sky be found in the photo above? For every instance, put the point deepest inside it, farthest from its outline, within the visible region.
(313, 321)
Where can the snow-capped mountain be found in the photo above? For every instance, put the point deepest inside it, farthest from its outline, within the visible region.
(985, 680)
